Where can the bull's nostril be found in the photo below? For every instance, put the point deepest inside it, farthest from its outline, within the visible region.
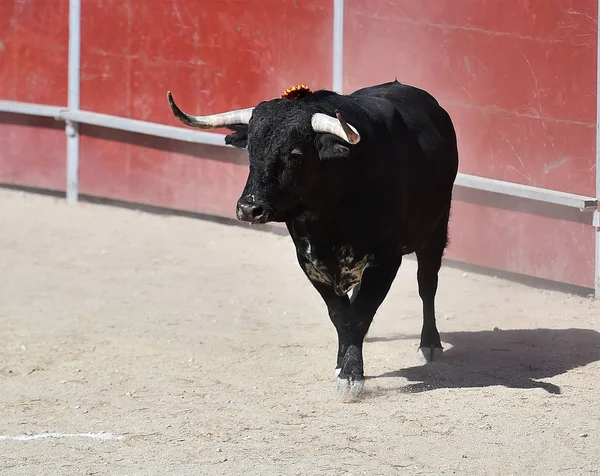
(251, 212)
(257, 212)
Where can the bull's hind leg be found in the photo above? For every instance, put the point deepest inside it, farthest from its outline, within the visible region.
(352, 320)
(429, 257)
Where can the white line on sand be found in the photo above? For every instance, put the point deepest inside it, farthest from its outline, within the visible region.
(97, 436)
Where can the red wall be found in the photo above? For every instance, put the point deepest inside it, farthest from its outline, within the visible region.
(519, 80)
(33, 58)
(213, 56)
(518, 77)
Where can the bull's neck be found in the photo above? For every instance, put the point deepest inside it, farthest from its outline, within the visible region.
(327, 193)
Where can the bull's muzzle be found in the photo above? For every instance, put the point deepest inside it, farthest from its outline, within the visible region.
(251, 211)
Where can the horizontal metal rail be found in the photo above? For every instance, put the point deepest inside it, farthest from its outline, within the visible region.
(143, 127)
(29, 109)
(210, 138)
(527, 192)
(113, 122)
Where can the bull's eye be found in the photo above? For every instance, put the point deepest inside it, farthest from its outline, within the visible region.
(297, 151)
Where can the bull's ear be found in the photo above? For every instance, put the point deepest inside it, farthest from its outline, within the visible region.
(238, 138)
(331, 147)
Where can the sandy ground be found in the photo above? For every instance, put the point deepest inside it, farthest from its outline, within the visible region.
(207, 351)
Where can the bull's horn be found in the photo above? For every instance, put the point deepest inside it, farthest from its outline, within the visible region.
(339, 127)
(241, 116)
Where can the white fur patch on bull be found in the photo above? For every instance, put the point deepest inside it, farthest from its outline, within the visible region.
(349, 389)
(351, 269)
(427, 354)
(317, 272)
(347, 272)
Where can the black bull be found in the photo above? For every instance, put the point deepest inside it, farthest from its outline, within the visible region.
(359, 180)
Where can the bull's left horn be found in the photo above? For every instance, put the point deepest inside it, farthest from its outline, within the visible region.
(339, 127)
(240, 116)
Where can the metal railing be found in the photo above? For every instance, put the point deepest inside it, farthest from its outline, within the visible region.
(73, 116)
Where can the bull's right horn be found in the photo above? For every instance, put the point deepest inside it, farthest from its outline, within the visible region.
(240, 116)
(335, 125)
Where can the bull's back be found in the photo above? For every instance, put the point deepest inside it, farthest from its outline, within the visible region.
(411, 101)
(418, 188)
(426, 130)
(422, 115)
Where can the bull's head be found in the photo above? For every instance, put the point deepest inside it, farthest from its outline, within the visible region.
(285, 140)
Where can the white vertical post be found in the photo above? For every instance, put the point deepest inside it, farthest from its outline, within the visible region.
(597, 252)
(72, 128)
(338, 45)
(597, 213)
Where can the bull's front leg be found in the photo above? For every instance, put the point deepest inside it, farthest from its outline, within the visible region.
(352, 319)
(349, 369)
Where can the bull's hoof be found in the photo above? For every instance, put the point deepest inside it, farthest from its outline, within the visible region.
(349, 386)
(430, 354)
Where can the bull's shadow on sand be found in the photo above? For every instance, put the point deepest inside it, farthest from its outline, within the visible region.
(511, 358)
